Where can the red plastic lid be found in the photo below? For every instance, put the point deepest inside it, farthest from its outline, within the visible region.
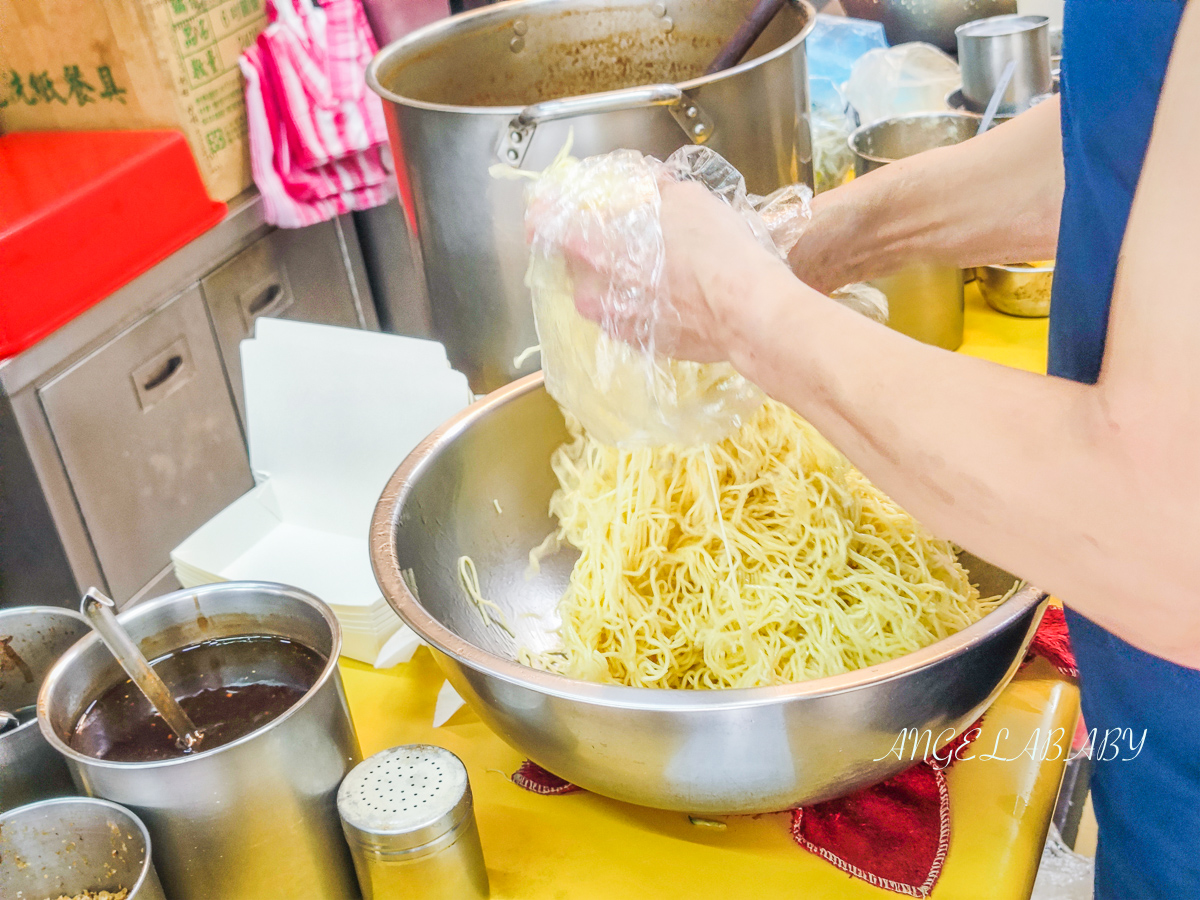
(83, 213)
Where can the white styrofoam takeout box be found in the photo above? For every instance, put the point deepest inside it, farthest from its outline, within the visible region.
(330, 413)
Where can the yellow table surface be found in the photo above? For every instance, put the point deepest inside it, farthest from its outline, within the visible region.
(1020, 343)
(585, 847)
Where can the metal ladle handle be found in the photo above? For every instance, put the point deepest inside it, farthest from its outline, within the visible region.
(748, 32)
(101, 613)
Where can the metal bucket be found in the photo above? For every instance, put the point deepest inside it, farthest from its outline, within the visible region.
(468, 92)
(32, 638)
(68, 846)
(254, 818)
(925, 299)
(987, 46)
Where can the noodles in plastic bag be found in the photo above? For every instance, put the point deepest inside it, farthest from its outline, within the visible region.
(628, 393)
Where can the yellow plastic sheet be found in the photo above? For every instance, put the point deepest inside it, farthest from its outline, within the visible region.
(585, 847)
(1020, 343)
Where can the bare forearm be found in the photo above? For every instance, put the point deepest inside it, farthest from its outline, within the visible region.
(995, 198)
(1026, 470)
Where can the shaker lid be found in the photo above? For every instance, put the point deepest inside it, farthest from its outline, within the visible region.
(404, 797)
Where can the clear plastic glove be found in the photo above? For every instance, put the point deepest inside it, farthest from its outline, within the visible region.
(596, 233)
(631, 345)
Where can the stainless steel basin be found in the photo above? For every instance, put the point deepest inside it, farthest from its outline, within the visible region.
(71, 845)
(734, 751)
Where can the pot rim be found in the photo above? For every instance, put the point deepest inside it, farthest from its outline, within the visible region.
(60, 669)
(446, 26)
(387, 567)
(148, 859)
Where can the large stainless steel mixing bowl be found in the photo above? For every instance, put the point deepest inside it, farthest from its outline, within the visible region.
(736, 751)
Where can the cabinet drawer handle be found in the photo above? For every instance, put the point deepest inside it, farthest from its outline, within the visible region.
(169, 368)
(163, 374)
(265, 300)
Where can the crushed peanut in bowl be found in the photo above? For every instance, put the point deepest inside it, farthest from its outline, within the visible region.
(97, 895)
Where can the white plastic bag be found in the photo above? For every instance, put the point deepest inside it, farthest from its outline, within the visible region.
(907, 78)
(1063, 873)
(833, 46)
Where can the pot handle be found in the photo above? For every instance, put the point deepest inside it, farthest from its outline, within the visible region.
(518, 134)
(591, 104)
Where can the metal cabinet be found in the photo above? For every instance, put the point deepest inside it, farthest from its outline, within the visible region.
(148, 436)
(297, 274)
(394, 269)
(119, 433)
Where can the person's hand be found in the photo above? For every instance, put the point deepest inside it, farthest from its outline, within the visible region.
(709, 271)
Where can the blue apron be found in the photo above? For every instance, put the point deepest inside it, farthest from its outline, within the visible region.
(1146, 793)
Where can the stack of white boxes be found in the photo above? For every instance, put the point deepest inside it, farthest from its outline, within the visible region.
(330, 414)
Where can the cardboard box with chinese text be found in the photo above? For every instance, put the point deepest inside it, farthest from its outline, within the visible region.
(113, 64)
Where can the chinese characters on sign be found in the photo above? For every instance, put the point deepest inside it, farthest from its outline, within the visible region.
(73, 86)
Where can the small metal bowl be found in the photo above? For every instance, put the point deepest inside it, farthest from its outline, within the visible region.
(1017, 290)
(67, 846)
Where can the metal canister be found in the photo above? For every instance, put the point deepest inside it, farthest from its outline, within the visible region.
(409, 819)
(249, 820)
(987, 46)
(925, 298)
(32, 638)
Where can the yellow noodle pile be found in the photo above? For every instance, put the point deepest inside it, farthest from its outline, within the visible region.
(807, 571)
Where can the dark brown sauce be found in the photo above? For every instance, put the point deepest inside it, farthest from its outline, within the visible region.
(228, 688)
(606, 64)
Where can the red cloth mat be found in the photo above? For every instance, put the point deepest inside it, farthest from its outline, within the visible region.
(895, 834)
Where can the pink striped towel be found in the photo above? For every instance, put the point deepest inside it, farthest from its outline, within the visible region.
(318, 142)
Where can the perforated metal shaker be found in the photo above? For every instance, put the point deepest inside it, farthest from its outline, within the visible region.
(409, 819)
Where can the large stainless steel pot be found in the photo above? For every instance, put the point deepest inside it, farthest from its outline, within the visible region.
(32, 638)
(254, 818)
(735, 751)
(470, 91)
